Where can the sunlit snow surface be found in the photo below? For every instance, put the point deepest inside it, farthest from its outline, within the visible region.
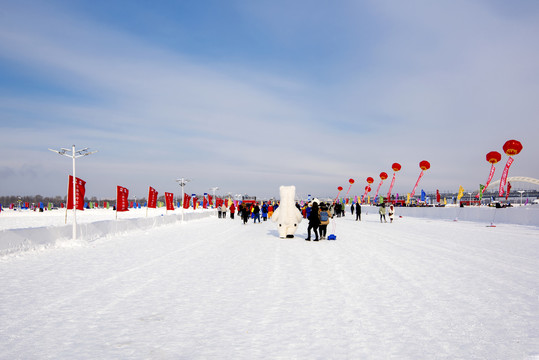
(218, 289)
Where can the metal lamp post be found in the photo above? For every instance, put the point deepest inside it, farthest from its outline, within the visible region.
(214, 189)
(74, 154)
(182, 182)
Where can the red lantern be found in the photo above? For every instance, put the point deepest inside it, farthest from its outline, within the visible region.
(493, 157)
(396, 166)
(383, 175)
(339, 188)
(370, 180)
(367, 188)
(351, 181)
(512, 147)
(424, 165)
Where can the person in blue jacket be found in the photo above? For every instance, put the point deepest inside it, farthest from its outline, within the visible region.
(264, 211)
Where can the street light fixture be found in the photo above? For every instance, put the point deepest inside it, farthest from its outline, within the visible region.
(182, 182)
(214, 189)
(74, 154)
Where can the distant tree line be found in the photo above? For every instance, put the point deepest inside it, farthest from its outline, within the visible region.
(57, 200)
(13, 199)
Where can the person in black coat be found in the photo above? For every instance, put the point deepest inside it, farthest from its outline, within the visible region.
(314, 222)
(358, 211)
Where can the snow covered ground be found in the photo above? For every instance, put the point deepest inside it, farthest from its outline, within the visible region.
(10, 219)
(216, 289)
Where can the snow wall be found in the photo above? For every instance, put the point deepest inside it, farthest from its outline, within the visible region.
(18, 240)
(519, 215)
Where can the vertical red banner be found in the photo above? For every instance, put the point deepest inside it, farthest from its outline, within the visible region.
(417, 183)
(152, 198)
(508, 190)
(186, 199)
(80, 190)
(391, 187)
(377, 190)
(503, 180)
(169, 199)
(121, 198)
(490, 176)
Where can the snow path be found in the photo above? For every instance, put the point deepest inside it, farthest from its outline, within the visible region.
(214, 289)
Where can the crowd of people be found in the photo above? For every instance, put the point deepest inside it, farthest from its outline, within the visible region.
(248, 210)
(318, 214)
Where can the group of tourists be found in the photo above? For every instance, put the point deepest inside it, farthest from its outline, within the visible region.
(248, 210)
(390, 212)
(319, 215)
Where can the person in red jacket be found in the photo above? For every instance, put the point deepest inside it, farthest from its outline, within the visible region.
(232, 210)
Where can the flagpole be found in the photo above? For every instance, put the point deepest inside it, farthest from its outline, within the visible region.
(67, 200)
(74, 154)
(182, 182)
(75, 203)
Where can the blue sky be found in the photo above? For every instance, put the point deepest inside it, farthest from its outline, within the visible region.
(251, 95)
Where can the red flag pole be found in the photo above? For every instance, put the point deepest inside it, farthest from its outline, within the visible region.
(74, 198)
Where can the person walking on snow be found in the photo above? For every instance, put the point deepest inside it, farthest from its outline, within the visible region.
(358, 211)
(223, 210)
(324, 221)
(382, 212)
(391, 213)
(265, 211)
(232, 210)
(245, 213)
(314, 222)
(256, 213)
(270, 211)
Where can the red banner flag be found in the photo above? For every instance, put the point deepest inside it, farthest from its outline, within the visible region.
(490, 176)
(391, 187)
(504, 176)
(508, 190)
(438, 198)
(377, 190)
(169, 198)
(152, 198)
(417, 183)
(205, 203)
(79, 193)
(195, 202)
(121, 198)
(186, 199)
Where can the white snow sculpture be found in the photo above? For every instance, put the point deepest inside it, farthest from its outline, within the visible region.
(287, 215)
